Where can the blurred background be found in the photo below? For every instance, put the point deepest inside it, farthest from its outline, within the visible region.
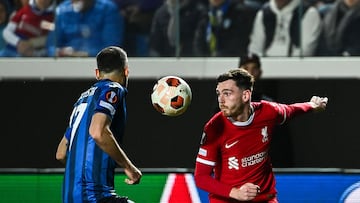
(306, 48)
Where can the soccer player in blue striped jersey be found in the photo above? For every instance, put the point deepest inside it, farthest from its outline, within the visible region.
(90, 147)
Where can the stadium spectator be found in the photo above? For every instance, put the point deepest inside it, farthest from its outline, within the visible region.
(341, 29)
(286, 28)
(84, 27)
(225, 30)
(138, 19)
(4, 18)
(233, 162)
(164, 32)
(252, 63)
(322, 5)
(27, 31)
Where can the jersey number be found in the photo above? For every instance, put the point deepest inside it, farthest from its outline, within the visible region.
(75, 119)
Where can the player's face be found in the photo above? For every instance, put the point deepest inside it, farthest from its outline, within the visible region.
(230, 98)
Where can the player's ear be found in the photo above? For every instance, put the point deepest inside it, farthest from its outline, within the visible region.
(126, 71)
(97, 73)
(246, 95)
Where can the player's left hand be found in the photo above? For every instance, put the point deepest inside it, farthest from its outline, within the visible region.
(318, 103)
(133, 175)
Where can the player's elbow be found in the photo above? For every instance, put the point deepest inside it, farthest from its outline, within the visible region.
(199, 177)
(200, 181)
(96, 134)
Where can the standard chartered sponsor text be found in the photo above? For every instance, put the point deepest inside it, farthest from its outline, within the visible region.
(253, 159)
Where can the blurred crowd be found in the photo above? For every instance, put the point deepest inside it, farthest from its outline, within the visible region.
(181, 28)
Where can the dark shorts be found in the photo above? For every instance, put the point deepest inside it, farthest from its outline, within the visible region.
(115, 199)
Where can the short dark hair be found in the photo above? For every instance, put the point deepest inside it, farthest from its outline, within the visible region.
(111, 58)
(243, 78)
(250, 58)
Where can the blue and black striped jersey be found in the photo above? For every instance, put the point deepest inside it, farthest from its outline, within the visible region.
(89, 173)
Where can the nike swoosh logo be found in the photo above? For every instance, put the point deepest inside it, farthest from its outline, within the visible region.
(227, 146)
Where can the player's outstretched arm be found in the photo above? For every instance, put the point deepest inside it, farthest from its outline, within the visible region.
(318, 103)
(61, 150)
(101, 133)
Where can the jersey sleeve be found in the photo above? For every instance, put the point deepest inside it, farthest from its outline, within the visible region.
(207, 159)
(209, 148)
(204, 180)
(67, 133)
(288, 111)
(111, 97)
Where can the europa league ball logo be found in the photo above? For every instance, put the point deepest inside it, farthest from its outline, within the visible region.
(351, 194)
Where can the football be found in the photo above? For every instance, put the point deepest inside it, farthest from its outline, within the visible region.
(171, 96)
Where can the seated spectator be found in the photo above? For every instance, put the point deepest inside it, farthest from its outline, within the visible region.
(27, 30)
(4, 18)
(84, 27)
(342, 29)
(138, 19)
(164, 33)
(225, 30)
(286, 28)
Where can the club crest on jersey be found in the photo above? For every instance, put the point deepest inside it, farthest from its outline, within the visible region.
(265, 135)
(111, 97)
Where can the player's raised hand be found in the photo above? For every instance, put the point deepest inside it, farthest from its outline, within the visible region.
(318, 103)
(133, 175)
(246, 192)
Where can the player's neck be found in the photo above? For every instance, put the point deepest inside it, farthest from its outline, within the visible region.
(244, 115)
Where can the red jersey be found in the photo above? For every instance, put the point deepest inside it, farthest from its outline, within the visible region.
(238, 152)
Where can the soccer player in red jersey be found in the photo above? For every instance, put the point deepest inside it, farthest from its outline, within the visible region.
(233, 162)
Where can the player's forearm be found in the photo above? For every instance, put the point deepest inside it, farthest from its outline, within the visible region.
(205, 181)
(109, 145)
(209, 184)
(61, 150)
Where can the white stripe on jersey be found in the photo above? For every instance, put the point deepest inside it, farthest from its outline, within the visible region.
(107, 106)
(206, 162)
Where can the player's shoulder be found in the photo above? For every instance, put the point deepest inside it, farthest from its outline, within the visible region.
(216, 122)
(265, 106)
(213, 128)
